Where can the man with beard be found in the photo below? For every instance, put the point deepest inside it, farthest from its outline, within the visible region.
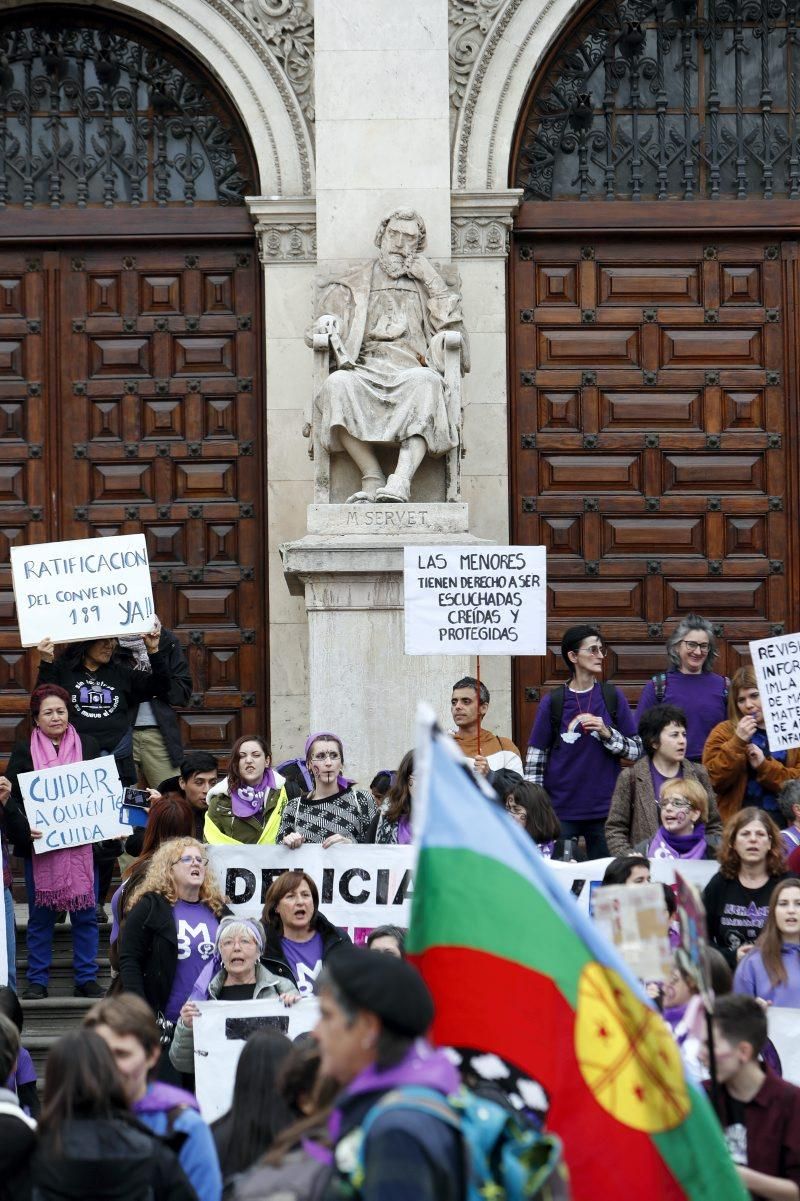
(386, 322)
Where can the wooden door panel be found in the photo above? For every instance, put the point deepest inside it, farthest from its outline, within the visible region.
(653, 432)
(164, 436)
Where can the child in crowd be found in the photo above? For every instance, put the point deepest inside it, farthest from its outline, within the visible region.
(759, 1113)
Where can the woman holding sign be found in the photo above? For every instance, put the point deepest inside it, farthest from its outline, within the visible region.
(737, 757)
(54, 880)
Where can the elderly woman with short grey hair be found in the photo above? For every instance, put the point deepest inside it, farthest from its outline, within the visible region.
(789, 805)
(234, 974)
(690, 683)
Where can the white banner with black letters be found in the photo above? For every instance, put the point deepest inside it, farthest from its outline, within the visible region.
(83, 589)
(475, 600)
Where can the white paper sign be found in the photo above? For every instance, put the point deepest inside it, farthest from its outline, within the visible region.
(74, 803)
(220, 1033)
(784, 1030)
(89, 588)
(475, 600)
(361, 886)
(634, 920)
(583, 879)
(777, 666)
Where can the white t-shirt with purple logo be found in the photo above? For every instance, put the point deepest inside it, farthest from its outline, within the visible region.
(305, 961)
(196, 926)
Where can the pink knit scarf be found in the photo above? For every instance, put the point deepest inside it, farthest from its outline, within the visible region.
(62, 879)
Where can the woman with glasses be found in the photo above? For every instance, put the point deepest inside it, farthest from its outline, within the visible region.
(169, 933)
(683, 811)
(334, 810)
(633, 819)
(529, 805)
(247, 805)
(689, 682)
(582, 730)
(742, 768)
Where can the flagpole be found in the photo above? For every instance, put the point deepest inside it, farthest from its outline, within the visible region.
(478, 690)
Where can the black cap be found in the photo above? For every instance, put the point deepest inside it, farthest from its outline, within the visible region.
(384, 985)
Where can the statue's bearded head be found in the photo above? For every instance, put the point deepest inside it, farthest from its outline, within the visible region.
(401, 235)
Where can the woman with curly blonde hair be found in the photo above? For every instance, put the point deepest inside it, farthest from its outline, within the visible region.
(170, 929)
(752, 863)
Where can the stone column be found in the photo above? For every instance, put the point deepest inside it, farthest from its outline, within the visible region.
(481, 225)
(349, 569)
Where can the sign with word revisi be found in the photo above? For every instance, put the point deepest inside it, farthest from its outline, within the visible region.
(220, 1033)
(88, 588)
(776, 662)
(74, 803)
(482, 600)
(360, 886)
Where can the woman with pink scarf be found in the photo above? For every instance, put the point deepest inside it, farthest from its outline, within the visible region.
(55, 880)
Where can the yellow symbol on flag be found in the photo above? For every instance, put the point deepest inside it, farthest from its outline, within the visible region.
(627, 1055)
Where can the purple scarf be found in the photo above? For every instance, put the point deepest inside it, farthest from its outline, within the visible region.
(62, 879)
(160, 1097)
(247, 801)
(679, 846)
(341, 780)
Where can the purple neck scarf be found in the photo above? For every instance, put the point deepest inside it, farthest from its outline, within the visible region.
(247, 800)
(341, 780)
(678, 846)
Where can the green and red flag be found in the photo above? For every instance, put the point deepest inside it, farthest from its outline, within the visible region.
(519, 972)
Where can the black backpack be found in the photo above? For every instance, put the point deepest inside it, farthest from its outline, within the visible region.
(557, 696)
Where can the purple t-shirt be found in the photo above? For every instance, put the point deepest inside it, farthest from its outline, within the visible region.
(196, 926)
(25, 1072)
(580, 776)
(702, 698)
(659, 781)
(305, 960)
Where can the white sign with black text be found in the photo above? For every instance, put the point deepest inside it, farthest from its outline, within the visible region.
(777, 666)
(360, 886)
(74, 803)
(481, 600)
(88, 588)
(220, 1033)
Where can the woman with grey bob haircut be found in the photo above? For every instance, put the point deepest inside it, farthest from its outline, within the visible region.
(690, 682)
(789, 804)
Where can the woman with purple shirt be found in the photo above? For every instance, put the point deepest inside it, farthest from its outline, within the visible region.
(690, 683)
(299, 937)
(771, 972)
(168, 936)
(578, 762)
(392, 823)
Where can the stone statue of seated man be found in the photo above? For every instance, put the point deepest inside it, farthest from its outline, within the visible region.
(386, 321)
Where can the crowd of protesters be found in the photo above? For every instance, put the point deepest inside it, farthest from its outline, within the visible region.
(690, 776)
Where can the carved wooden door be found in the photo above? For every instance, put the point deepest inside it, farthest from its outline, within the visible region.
(129, 396)
(652, 382)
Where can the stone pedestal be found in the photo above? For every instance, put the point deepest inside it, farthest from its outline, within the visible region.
(362, 685)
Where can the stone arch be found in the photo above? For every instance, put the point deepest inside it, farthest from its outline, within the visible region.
(515, 44)
(246, 69)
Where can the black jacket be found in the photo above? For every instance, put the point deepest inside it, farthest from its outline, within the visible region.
(275, 960)
(112, 1159)
(18, 830)
(105, 701)
(180, 689)
(148, 950)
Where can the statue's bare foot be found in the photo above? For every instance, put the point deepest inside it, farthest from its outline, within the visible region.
(396, 490)
(360, 498)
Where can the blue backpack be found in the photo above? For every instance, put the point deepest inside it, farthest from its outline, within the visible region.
(506, 1158)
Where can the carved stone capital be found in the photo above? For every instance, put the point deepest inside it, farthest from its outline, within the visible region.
(286, 228)
(480, 223)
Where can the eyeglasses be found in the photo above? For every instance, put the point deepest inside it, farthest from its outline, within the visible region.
(681, 805)
(321, 756)
(691, 645)
(514, 807)
(187, 859)
(595, 650)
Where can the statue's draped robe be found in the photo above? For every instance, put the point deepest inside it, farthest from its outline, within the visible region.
(388, 394)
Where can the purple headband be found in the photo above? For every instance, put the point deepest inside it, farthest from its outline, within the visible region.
(341, 780)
